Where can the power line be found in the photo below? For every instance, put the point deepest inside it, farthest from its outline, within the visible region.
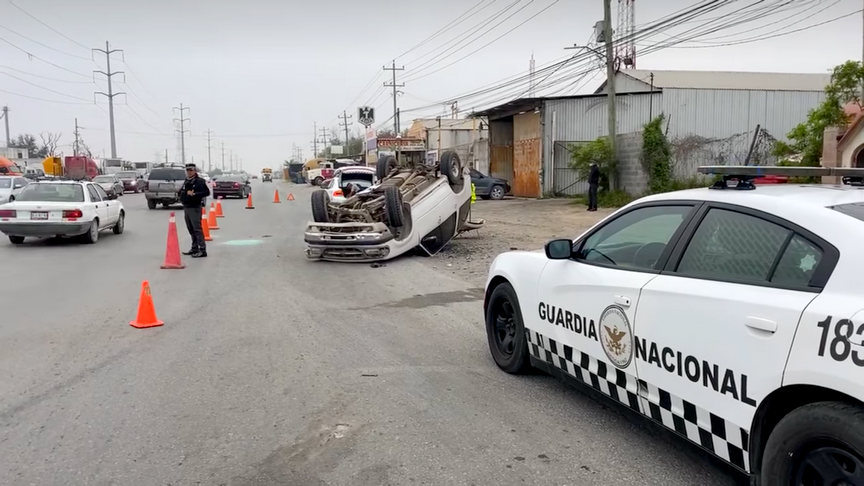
(45, 45)
(43, 99)
(34, 56)
(48, 26)
(43, 87)
(44, 77)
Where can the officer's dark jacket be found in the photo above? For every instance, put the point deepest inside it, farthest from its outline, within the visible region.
(196, 200)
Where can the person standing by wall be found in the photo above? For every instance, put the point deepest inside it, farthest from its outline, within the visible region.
(192, 196)
(593, 183)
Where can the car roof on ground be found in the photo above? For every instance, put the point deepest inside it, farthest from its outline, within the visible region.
(768, 195)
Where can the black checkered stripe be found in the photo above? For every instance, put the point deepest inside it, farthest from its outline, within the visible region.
(715, 434)
(719, 436)
(610, 381)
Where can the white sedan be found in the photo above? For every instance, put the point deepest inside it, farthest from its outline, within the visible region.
(62, 208)
(10, 187)
(732, 315)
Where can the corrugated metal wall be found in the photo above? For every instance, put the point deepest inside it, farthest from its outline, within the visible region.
(501, 145)
(705, 126)
(526, 155)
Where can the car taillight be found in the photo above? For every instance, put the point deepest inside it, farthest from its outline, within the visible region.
(8, 213)
(338, 192)
(73, 214)
(236, 184)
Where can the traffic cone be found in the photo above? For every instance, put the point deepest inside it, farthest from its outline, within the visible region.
(146, 312)
(172, 250)
(205, 228)
(276, 197)
(219, 208)
(211, 223)
(212, 206)
(249, 202)
(203, 211)
(290, 196)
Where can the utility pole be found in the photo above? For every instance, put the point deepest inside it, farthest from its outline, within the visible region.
(344, 124)
(324, 139)
(315, 139)
(182, 132)
(5, 117)
(223, 156)
(230, 160)
(75, 145)
(209, 146)
(394, 86)
(166, 156)
(111, 94)
(610, 74)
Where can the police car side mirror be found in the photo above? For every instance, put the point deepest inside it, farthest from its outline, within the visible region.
(559, 249)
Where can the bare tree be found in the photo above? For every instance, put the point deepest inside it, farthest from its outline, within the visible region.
(49, 142)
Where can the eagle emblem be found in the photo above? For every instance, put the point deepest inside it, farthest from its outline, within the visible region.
(617, 337)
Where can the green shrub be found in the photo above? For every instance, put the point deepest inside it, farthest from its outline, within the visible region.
(599, 151)
(656, 156)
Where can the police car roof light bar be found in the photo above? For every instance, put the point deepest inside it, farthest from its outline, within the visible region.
(741, 177)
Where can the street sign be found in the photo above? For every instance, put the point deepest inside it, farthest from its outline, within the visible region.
(366, 115)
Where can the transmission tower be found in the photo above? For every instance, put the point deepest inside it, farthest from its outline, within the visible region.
(625, 50)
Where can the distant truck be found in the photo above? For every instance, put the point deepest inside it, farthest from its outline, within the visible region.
(321, 173)
(73, 167)
(266, 175)
(7, 167)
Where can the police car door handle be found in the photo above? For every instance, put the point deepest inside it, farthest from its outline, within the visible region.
(622, 300)
(761, 324)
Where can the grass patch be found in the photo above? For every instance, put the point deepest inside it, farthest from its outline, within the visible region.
(605, 199)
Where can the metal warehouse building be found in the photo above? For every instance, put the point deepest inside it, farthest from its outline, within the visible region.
(711, 118)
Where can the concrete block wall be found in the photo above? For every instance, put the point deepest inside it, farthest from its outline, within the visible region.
(632, 177)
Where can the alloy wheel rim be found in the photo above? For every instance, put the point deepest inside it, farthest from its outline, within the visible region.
(504, 327)
(830, 466)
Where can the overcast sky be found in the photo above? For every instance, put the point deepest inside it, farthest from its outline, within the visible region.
(259, 73)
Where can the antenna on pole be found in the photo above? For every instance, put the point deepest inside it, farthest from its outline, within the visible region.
(531, 76)
(625, 51)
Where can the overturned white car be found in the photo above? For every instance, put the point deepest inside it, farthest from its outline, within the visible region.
(419, 205)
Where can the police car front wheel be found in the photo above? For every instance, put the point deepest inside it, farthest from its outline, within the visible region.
(819, 443)
(505, 330)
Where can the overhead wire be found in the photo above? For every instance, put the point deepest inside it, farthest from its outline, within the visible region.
(2, 66)
(34, 56)
(48, 26)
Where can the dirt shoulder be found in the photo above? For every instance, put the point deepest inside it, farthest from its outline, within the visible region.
(512, 224)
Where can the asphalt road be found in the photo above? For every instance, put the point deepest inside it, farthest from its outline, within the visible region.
(274, 370)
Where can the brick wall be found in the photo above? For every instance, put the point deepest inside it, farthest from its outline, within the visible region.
(631, 176)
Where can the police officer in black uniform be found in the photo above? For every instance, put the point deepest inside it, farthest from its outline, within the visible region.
(593, 183)
(192, 196)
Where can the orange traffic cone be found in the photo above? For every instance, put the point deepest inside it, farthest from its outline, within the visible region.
(276, 197)
(212, 206)
(203, 211)
(212, 222)
(146, 312)
(172, 250)
(290, 196)
(249, 202)
(205, 228)
(219, 208)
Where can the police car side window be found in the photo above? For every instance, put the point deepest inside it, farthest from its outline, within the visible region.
(732, 245)
(635, 239)
(798, 263)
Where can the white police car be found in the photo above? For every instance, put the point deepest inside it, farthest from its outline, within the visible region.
(733, 315)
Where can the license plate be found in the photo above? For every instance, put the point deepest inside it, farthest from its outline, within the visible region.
(39, 215)
(166, 187)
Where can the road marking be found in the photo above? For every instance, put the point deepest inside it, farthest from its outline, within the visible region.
(242, 242)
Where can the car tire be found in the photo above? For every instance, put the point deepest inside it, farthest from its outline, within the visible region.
(451, 166)
(319, 206)
(16, 240)
(496, 193)
(385, 166)
(317, 181)
(92, 234)
(506, 331)
(825, 430)
(11, 199)
(121, 224)
(393, 207)
(151, 204)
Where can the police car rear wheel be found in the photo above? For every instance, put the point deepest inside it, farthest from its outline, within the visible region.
(820, 443)
(505, 330)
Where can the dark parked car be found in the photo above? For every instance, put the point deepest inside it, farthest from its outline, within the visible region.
(489, 187)
(132, 181)
(232, 185)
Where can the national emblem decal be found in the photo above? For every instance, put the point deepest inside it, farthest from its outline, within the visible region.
(616, 337)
